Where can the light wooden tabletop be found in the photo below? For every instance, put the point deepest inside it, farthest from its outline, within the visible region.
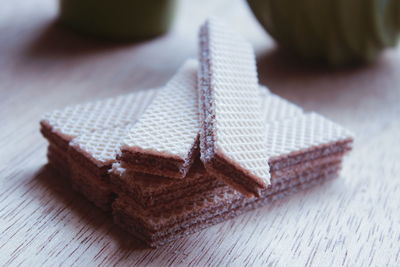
(352, 221)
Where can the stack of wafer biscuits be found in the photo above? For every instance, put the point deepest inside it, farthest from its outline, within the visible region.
(208, 146)
(74, 131)
(61, 126)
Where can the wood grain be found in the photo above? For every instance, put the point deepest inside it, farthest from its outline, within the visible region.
(351, 221)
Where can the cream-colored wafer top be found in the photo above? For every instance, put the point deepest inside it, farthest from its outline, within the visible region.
(274, 107)
(101, 114)
(170, 125)
(230, 101)
(302, 132)
(101, 145)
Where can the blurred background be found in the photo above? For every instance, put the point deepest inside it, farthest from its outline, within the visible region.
(335, 57)
(55, 64)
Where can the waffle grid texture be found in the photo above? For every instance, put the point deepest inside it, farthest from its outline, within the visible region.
(117, 111)
(275, 108)
(101, 145)
(301, 133)
(170, 125)
(289, 130)
(230, 103)
(103, 142)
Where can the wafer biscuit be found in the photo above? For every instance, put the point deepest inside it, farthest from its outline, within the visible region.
(165, 139)
(59, 127)
(304, 138)
(292, 142)
(231, 136)
(237, 145)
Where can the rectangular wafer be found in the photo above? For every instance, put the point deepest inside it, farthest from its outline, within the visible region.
(165, 139)
(232, 131)
(293, 142)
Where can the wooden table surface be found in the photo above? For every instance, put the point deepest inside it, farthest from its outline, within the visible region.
(352, 221)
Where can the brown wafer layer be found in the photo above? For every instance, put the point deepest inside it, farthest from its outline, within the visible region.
(58, 158)
(306, 155)
(157, 217)
(54, 137)
(56, 151)
(90, 156)
(305, 166)
(85, 162)
(227, 172)
(60, 166)
(158, 165)
(91, 186)
(164, 140)
(207, 209)
(149, 190)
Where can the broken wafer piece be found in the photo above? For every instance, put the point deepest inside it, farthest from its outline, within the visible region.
(232, 139)
(165, 139)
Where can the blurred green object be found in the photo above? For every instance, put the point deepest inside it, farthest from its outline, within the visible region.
(118, 19)
(336, 32)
